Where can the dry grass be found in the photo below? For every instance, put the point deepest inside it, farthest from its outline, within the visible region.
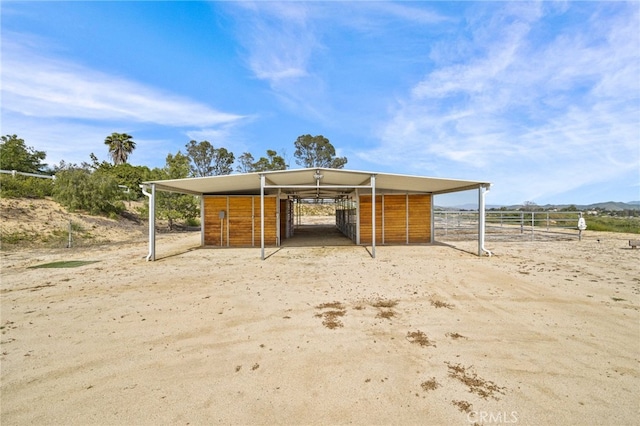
(331, 318)
(430, 384)
(331, 305)
(441, 304)
(455, 336)
(419, 338)
(384, 303)
(484, 388)
(463, 406)
(386, 314)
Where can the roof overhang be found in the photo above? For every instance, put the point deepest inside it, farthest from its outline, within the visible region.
(314, 182)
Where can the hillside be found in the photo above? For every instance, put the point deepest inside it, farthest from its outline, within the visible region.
(612, 206)
(43, 223)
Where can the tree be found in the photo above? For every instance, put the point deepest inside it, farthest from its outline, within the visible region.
(15, 155)
(272, 161)
(246, 163)
(121, 145)
(317, 151)
(209, 161)
(80, 189)
(172, 206)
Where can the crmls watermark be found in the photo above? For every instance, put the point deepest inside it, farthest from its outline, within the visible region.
(488, 417)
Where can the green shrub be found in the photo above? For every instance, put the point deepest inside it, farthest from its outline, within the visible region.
(96, 193)
(25, 187)
(614, 224)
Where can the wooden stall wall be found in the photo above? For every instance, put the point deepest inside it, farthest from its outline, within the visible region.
(419, 218)
(400, 219)
(215, 230)
(241, 212)
(395, 219)
(241, 224)
(365, 219)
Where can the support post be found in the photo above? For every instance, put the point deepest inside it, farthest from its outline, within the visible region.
(357, 217)
(480, 220)
(433, 227)
(262, 184)
(202, 220)
(482, 190)
(373, 216)
(152, 221)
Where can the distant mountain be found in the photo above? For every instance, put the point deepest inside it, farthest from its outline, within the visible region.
(608, 205)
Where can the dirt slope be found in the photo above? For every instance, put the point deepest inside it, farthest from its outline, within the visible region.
(33, 223)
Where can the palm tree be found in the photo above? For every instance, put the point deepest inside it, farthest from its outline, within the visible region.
(120, 146)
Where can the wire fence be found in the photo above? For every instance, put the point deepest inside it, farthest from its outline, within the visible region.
(507, 225)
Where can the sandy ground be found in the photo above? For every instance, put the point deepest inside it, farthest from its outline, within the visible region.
(540, 333)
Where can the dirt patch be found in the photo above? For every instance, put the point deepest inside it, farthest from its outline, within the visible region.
(430, 384)
(455, 336)
(331, 318)
(419, 338)
(463, 406)
(441, 304)
(481, 387)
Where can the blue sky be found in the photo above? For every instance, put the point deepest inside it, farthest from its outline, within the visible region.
(542, 99)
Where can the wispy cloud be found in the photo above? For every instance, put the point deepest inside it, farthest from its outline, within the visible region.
(34, 85)
(552, 115)
(289, 45)
(278, 39)
(67, 109)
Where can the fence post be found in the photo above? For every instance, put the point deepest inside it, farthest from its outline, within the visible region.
(69, 244)
(547, 221)
(533, 224)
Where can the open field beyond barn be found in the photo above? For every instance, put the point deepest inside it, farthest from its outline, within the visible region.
(540, 333)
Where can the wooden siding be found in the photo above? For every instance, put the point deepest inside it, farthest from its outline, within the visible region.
(419, 218)
(212, 222)
(365, 219)
(241, 225)
(270, 221)
(395, 219)
(400, 219)
(241, 221)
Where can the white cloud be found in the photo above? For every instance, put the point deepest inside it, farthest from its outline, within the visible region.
(549, 116)
(34, 85)
(287, 44)
(67, 110)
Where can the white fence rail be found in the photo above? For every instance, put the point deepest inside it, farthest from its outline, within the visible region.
(507, 225)
(14, 173)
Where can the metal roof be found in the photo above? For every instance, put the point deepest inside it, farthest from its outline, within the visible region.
(304, 183)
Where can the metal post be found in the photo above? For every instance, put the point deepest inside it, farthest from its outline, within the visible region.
(278, 213)
(373, 216)
(433, 223)
(533, 224)
(202, 220)
(480, 220)
(70, 228)
(262, 184)
(358, 205)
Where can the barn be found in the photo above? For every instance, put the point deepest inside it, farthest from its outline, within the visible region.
(258, 209)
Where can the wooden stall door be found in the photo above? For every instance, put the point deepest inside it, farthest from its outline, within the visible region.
(365, 219)
(270, 221)
(215, 230)
(420, 218)
(240, 221)
(395, 219)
